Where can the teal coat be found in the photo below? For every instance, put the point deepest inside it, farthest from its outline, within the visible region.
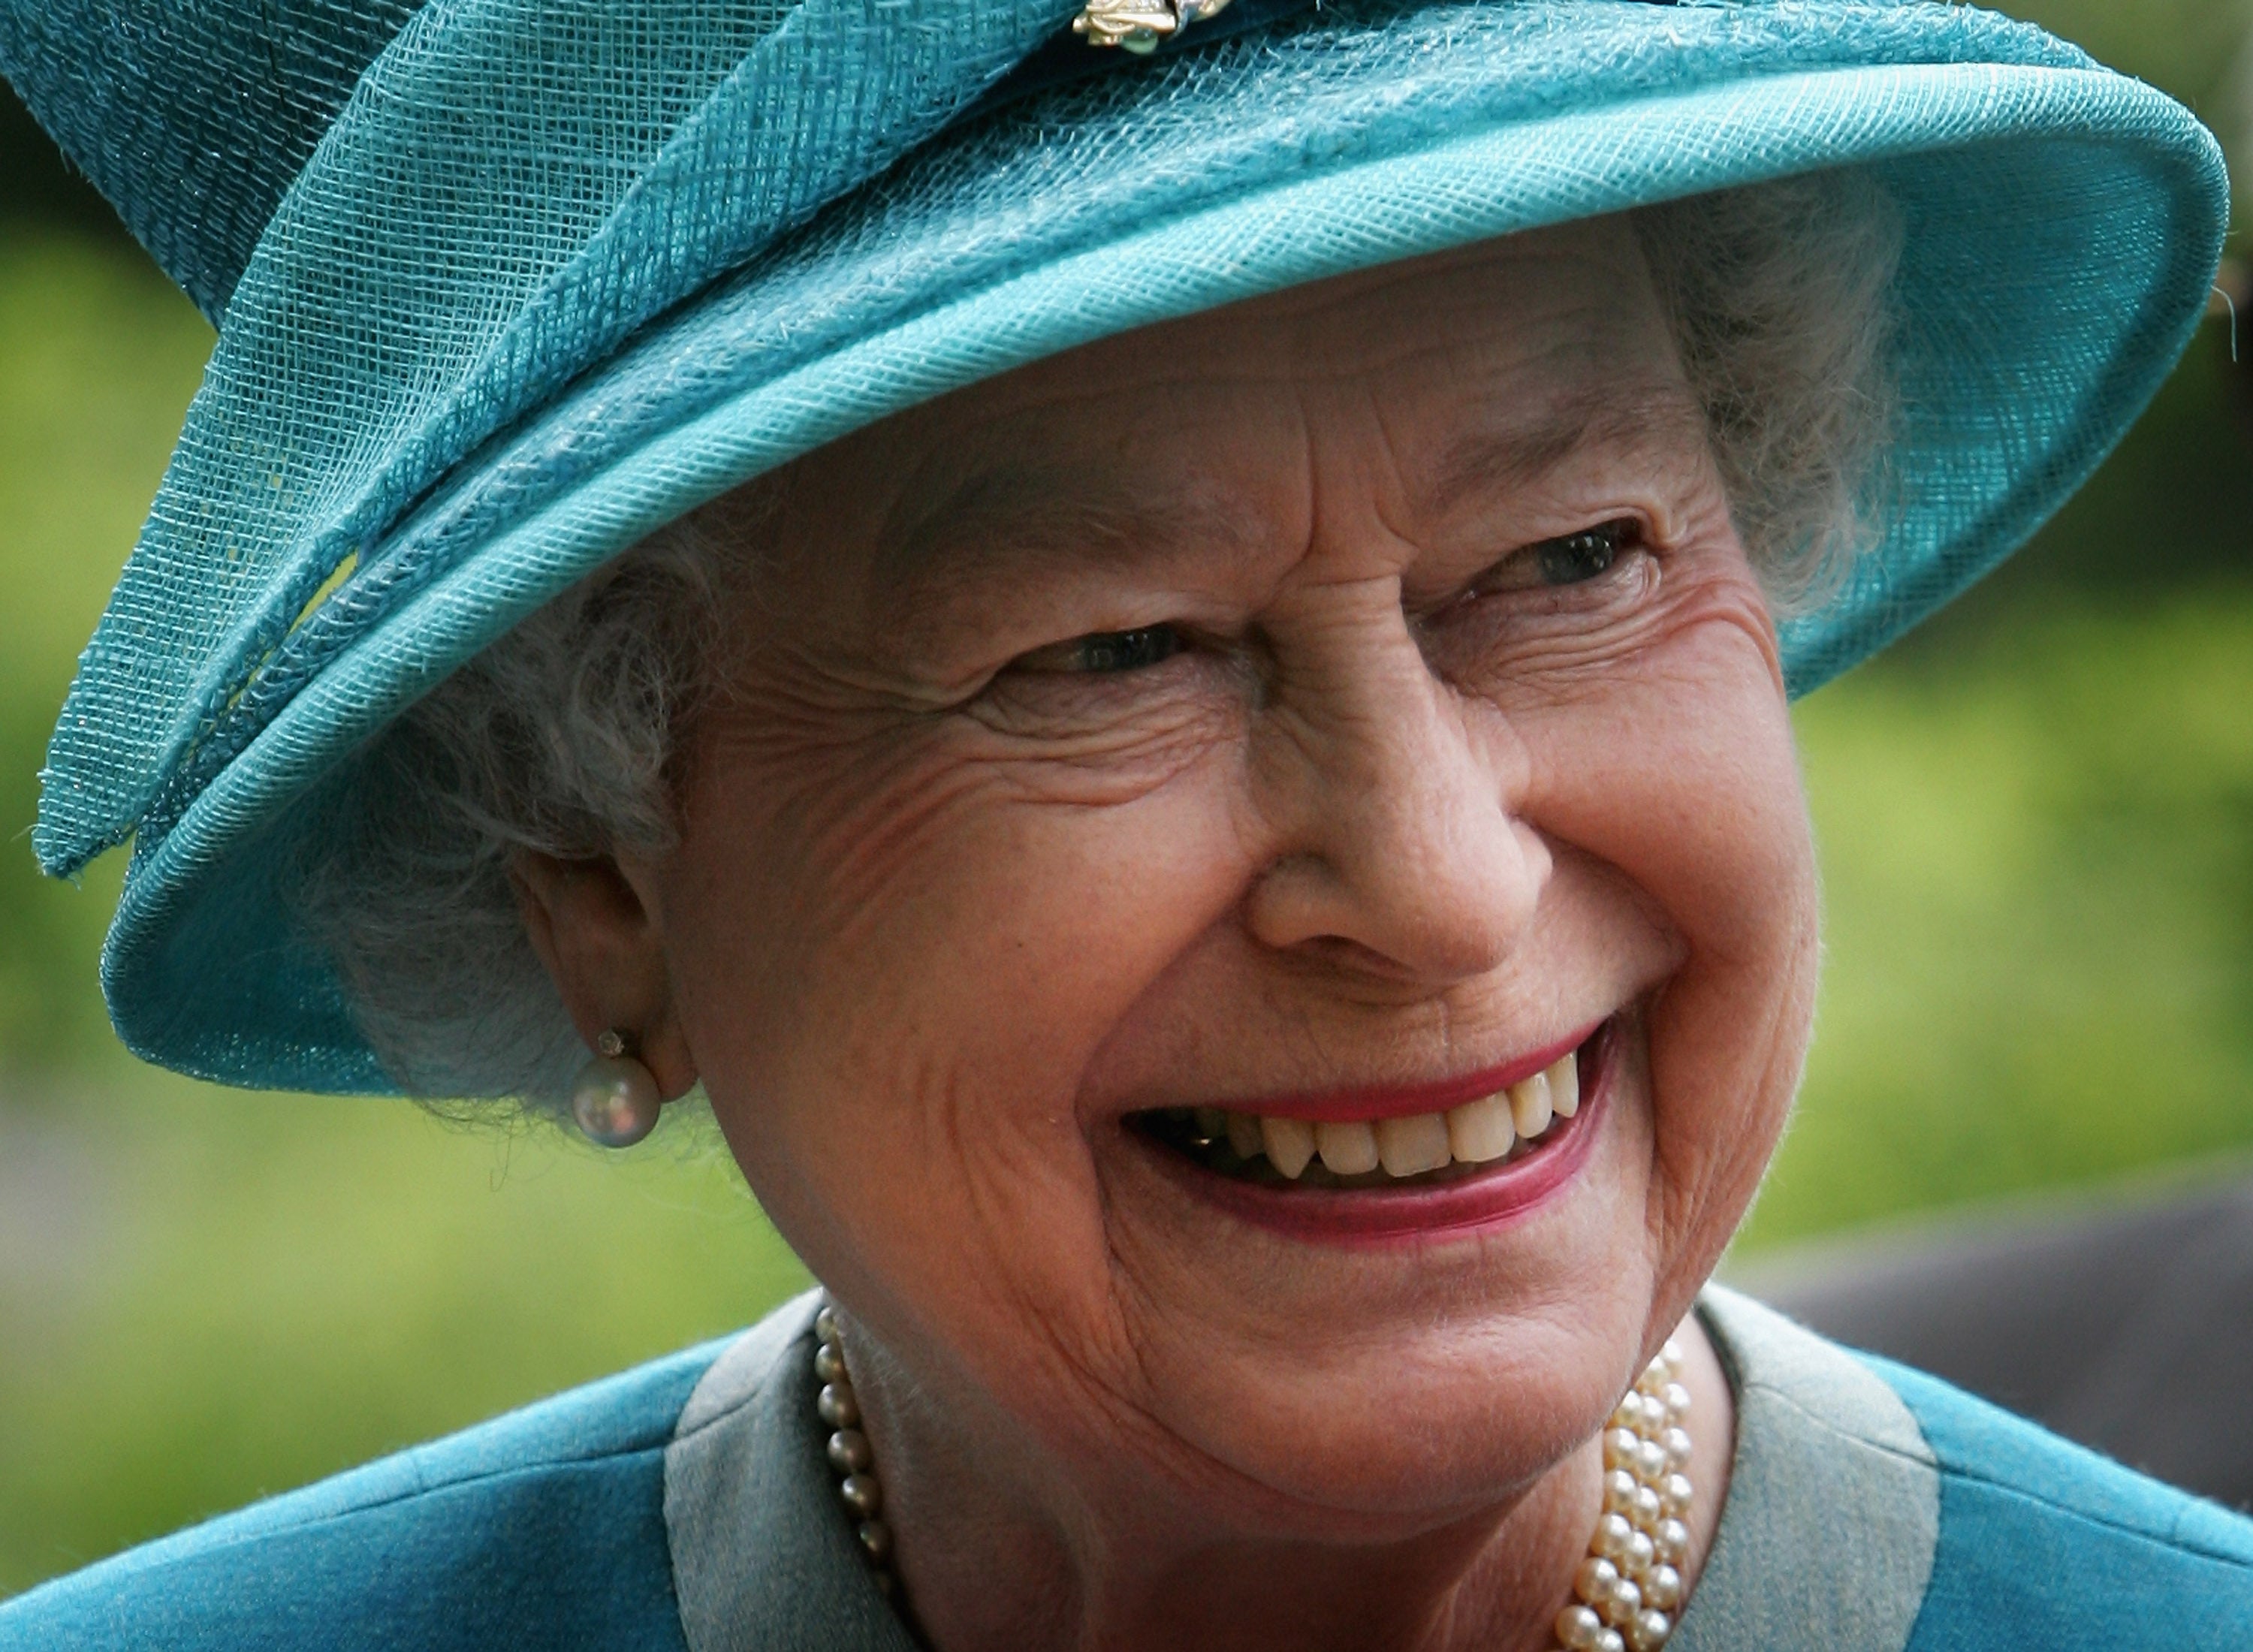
(687, 1506)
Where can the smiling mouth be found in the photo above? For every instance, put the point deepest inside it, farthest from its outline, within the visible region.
(1491, 1131)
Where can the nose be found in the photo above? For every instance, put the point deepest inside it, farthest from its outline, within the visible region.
(1385, 802)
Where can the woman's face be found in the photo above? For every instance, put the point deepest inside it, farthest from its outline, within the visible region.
(1322, 710)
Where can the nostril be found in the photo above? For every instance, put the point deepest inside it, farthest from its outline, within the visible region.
(1343, 953)
(1422, 925)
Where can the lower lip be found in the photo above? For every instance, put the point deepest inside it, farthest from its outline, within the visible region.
(1449, 1209)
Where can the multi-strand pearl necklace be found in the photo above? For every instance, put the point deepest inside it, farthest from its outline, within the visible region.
(1629, 1586)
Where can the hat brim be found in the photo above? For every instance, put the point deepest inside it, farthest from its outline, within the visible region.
(2062, 222)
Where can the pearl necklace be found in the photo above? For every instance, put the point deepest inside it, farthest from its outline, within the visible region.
(850, 1453)
(1628, 1587)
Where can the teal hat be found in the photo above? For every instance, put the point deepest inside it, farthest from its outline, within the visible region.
(505, 285)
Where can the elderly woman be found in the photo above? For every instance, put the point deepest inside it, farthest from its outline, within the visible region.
(1154, 647)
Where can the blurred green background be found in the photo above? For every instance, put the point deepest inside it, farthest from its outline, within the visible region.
(2037, 827)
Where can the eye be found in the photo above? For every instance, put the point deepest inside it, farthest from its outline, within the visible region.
(1570, 559)
(1575, 557)
(1105, 652)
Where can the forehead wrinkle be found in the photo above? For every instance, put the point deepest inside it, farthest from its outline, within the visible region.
(1015, 519)
(1510, 450)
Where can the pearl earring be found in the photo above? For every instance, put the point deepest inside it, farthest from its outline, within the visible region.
(615, 1096)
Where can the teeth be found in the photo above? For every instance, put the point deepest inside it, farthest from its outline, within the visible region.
(1408, 1147)
(1244, 1135)
(1476, 1132)
(1564, 1085)
(1348, 1149)
(1481, 1130)
(1530, 1105)
(1290, 1144)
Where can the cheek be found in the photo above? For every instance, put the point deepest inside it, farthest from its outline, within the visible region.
(894, 973)
(1687, 786)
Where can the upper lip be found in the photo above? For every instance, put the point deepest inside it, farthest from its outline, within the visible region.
(1371, 1102)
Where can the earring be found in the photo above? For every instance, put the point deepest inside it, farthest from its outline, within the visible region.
(615, 1096)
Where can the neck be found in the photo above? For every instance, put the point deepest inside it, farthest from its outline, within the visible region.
(1001, 1547)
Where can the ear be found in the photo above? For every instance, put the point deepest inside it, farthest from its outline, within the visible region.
(590, 922)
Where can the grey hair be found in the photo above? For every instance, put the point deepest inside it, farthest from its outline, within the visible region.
(562, 737)
(1778, 296)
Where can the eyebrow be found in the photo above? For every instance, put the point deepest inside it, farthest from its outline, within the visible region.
(1511, 450)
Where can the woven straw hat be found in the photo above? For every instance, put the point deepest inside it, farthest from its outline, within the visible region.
(503, 285)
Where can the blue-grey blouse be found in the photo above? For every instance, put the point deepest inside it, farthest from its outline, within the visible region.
(688, 1506)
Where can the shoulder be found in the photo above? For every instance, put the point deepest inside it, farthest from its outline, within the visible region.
(2045, 1543)
(1873, 1508)
(544, 1528)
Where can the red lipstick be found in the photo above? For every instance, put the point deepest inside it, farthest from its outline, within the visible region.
(1386, 1101)
(1418, 1211)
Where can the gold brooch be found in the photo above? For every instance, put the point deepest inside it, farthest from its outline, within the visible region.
(1138, 26)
